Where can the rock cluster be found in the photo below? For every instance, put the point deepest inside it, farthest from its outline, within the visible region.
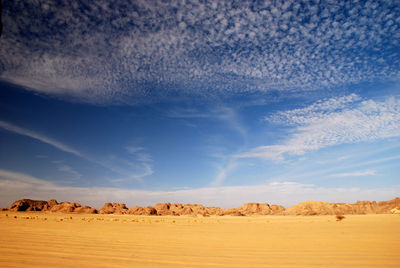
(163, 209)
(51, 205)
(30, 205)
(114, 208)
(261, 209)
(360, 207)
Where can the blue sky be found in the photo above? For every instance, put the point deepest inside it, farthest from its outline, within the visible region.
(212, 102)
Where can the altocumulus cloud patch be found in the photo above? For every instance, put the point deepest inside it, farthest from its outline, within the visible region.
(343, 120)
(145, 51)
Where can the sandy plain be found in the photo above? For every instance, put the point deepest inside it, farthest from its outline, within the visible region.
(30, 239)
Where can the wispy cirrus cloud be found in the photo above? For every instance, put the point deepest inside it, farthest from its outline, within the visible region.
(72, 173)
(332, 122)
(32, 134)
(136, 166)
(224, 171)
(227, 115)
(223, 113)
(355, 174)
(152, 49)
(141, 161)
(16, 185)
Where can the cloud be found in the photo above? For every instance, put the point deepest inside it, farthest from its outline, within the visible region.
(355, 174)
(223, 172)
(315, 111)
(333, 122)
(29, 133)
(73, 174)
(128, 168)
(15, 185)
(134, 166)
(229, 117)
(151, 50)
(223, 113)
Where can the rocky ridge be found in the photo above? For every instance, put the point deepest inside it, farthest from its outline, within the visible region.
(360, 207)
(307, 208)
(51, 205)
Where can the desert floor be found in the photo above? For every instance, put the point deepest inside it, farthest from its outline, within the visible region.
(72, 240)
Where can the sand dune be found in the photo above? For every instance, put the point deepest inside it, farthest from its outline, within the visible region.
(44, 239)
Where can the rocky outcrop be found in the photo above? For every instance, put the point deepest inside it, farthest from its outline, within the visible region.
(395, 211)
(168, 209)
(67, 207)
(260, 209)
(230, 212)
(307, 208)
(114, 208)
(360, 207)
(142, 211)
(51, 205)
(389, 205)
(163, 209)
(199, 210)
(310, 208)
(277, 209)
(29, 205)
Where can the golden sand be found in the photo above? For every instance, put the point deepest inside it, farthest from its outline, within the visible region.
(72, 240)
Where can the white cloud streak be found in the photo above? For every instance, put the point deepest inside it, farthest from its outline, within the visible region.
(223, 172)
(333, 122)
(15, 185)
(225, 114)
(137, 165)
(72, 173)
(355, 174)
(29, 133)
(128, 168)
(231, 119)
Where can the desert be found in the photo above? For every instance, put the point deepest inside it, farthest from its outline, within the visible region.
(199, 133)
(65, 238)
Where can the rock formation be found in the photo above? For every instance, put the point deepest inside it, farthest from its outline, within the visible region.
(260, 209)
(67, 207)
(395, 211)
(360, 207)
(307, 208)
(29, 205)
(51, 205)
(114, 208)
(142, 211)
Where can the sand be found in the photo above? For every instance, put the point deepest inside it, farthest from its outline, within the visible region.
(70, 240)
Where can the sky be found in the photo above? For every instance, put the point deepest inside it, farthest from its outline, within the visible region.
(211, 102)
